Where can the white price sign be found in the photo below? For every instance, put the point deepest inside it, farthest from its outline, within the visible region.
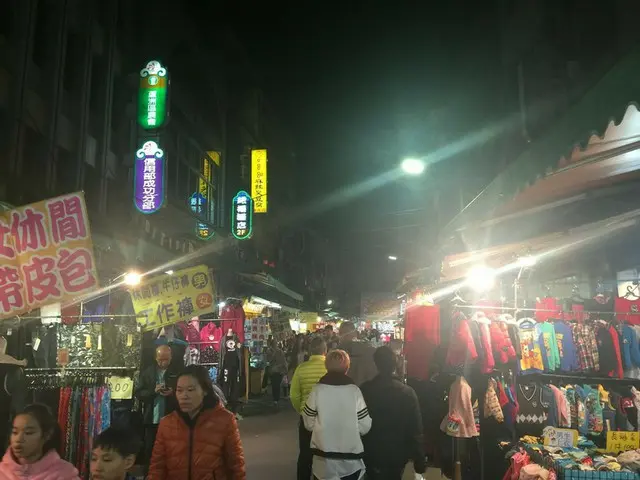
(121, 388)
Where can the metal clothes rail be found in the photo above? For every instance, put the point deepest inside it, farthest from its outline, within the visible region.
(513, 309)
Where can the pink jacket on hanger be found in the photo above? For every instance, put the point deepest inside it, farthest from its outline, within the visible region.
(49, 467)
(210, 334)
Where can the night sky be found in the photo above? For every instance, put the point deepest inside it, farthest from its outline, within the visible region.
(362, 85)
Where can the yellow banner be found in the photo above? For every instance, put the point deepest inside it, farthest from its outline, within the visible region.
(169, 299)
(309, 317)
(46, 254)
(622, 441)
(259, 180)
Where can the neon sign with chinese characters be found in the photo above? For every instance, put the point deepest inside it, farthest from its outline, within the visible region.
(148, 194)
(259, 180)
(202, 202)
(242, 215)
(152, 96)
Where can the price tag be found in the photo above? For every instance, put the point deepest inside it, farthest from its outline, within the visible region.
(560, 437)
(622, 441)
(36, 345)
(121, 388)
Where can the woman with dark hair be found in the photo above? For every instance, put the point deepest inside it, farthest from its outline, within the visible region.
(33, 454)
(201, 441)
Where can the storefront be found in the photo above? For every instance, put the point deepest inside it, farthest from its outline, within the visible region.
(537, 311)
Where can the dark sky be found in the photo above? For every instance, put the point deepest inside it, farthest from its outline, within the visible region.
(364, 84)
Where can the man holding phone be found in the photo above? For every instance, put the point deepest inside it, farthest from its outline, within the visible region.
(156, 389)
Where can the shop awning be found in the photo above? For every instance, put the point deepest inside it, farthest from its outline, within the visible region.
(274, 283)
(606, 102)
(552, 248)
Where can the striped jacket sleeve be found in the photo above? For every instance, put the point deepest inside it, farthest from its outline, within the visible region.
(310, 410)
(364, 420)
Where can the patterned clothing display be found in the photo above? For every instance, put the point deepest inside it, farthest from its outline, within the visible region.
(584, 339)
(121, 344)
(83, 413)
(81, 344)
(209, 355)
(532, 417)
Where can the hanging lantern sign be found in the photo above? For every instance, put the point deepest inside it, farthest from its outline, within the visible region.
(152, 96)
(148, 195)
(242, 216)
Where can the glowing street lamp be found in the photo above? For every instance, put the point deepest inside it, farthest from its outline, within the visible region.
(481, 278)
(413, 166)
(132, 279)
(329, 302)
(393, 258)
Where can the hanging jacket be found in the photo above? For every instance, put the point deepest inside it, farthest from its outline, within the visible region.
(207, 447)
(49, 467)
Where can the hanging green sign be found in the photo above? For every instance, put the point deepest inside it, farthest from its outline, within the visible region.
(152, 96)
(242, 216)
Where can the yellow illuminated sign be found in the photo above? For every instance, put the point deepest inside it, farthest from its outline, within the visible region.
(259, 180)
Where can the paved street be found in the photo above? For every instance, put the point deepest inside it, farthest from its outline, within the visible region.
(271, 445)
(270, 442)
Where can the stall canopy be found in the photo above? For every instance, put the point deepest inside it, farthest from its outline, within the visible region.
(552, 249)
(594, 144)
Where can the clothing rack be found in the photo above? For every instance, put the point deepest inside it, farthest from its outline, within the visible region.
(103, 369)
(542, 377)
(513, 309)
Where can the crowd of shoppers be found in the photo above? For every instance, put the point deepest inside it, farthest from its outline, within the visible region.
(356, 417)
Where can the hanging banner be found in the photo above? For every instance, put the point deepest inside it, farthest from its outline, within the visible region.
(169, 299)
(152, 96)
(148, 185)
(46, 254)
(242, 216)
(202, 202)
(259, 180)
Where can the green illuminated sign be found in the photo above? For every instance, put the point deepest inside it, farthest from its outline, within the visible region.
(242, 216)
(152, 96)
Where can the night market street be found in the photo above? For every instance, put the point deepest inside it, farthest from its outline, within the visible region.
(270, 443)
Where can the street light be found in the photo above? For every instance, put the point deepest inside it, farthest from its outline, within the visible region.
(481, 278)
(329, 302)
(393, 258)
(413, 166)
(132, 279)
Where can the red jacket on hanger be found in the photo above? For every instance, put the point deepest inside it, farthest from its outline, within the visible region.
(232, 318)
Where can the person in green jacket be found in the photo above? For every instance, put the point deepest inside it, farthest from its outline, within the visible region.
(304, 379)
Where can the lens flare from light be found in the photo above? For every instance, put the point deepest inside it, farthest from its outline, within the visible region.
(481, 278)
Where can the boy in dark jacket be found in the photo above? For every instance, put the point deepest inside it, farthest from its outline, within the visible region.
(396, 433)
(114, 454)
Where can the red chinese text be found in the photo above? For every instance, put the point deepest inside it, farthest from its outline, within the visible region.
(67, 219)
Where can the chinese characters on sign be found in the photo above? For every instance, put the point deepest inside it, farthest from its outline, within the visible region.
(622, 441)
(46, 254)
(259, 180)
(202, 202)
(148, 192)
(242, 215)
(560, 437)
(169, 299)
(152, 96)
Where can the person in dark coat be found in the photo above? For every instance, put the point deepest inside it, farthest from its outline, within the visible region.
(396, 433)
(156, 392)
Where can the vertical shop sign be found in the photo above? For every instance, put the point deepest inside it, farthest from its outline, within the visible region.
(152, 96)
(242, 215)
(148, 195)
(259, 180)
(46, 255)
(202, 202)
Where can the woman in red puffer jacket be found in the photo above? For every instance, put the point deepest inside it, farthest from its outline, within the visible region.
(201, 441)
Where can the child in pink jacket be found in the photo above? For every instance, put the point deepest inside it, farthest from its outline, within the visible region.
(32, 454)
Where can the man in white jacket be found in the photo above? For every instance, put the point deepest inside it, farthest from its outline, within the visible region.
(337, 416)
